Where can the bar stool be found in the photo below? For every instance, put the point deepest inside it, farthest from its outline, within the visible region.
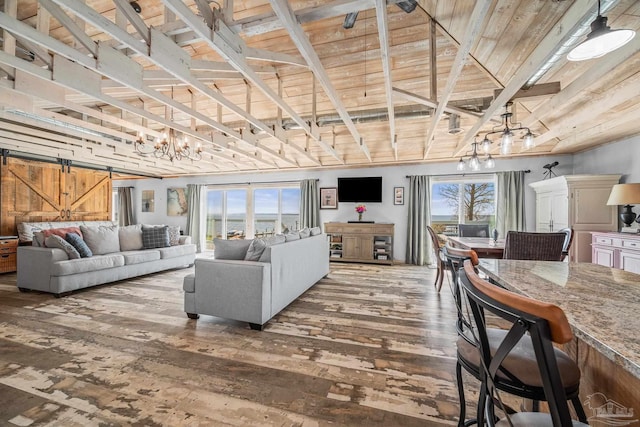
(522, 358)
(440, 264)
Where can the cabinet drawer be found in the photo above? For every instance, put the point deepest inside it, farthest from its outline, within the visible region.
(7, 263)
(631, 244)
(10, 243)
(603, 240)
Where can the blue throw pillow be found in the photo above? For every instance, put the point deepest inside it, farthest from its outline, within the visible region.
(77, 242)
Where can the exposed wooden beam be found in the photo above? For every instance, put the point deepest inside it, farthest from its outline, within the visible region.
(476, 22)
(383, 35)
(10, 7)
(410, 96)
(577, 13)
(71, 26)
(136, 21)
(285, 13)
(535, 91)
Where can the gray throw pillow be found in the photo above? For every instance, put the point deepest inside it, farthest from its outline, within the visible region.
(101, 240)
(315, 231)
(289, 237)
(130, 237)
(278, 239)
(230, 249)
(38, 239)
(155, 237)
(256, 248)
(79, 244)
(304, 233)
(55, 241)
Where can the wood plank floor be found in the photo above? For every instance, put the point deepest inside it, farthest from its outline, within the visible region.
(367, 346)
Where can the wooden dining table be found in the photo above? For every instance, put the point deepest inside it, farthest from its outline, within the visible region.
(485, 247)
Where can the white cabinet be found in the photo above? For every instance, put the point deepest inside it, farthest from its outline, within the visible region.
(617, 250)
(579, 202)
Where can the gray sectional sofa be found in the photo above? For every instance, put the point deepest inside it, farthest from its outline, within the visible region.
(50, 269)
(255, 291)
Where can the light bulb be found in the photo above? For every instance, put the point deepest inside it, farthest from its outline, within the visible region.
(490, 163)
(461, 165)
(528, 140)
(507, 137)
(486, 145)
(474, 163)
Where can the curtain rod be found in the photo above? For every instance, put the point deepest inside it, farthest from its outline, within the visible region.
(259, 182)
(473, 174)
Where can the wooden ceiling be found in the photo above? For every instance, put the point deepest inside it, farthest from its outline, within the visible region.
(280, 85)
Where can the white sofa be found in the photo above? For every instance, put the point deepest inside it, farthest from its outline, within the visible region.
(51, 270)
(255, 291)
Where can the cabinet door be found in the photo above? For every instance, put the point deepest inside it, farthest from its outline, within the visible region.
(366, 248)
(559, 210)
(350, 247)
(629, 261)
(543, 212)
(603, 256)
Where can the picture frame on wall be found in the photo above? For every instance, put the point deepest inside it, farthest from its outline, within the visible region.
(148, 204)
(398, 195)
(329, 198)
(177, 202)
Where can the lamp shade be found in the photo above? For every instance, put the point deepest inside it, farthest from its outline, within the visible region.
(624, 194)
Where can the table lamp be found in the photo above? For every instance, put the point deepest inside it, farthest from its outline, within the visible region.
(625, 194)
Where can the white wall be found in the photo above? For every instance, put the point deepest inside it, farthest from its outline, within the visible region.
(393, 176)
(621, 157)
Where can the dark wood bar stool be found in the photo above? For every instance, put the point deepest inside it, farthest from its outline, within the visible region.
(439, 259)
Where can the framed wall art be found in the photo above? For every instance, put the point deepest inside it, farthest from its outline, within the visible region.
(329, 198)
(176, 201)
(398, 195)
(148, 204)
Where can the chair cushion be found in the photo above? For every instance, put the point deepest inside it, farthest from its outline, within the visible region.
(521, 362)
(84, 265)
(137, 257)
(79, 244)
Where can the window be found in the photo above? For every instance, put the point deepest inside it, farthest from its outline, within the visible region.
(251, 211)
(462, 201)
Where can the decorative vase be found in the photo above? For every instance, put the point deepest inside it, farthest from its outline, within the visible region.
(359, 217)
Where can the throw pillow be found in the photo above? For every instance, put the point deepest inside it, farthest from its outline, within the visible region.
(278, 239)
(101, 240)
(38, 239)
(230, 249)
(60, 232)
(292, 236)
(130, 237)
(155, 237)
(174, 235)
(256, 248)
(55, 241)
(77, 242)
(315, 231)
(304, 233)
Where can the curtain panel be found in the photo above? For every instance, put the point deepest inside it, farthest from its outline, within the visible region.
(418, 242)
(195, 216)
(125, 206)
(510, 206)
(309, 203)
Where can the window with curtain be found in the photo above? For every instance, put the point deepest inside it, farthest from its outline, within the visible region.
(463, 200)
(115, 206)
(251, 211)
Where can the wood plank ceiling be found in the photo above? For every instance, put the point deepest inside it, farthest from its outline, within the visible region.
(279, 85)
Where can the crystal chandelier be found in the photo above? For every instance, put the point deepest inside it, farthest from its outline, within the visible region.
(474, 160)
(170, 146)
(506, 129)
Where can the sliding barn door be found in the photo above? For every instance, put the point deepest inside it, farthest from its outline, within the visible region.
(34, 191)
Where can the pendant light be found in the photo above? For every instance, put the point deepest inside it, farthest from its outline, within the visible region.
(600, 41)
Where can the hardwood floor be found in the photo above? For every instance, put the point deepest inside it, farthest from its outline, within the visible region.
(367, 346)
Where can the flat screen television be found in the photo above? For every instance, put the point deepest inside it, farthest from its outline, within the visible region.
(360, 190)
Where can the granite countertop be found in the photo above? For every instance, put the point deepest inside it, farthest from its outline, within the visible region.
(601, 303)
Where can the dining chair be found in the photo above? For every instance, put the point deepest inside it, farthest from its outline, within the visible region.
(473, 230)
(438, 257)
(534, 246)
(568, 240)
(516, 378)
(526, 351)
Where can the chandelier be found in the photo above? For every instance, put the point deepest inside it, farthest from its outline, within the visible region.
(474, 161)
(506, 129)
(172, 147)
